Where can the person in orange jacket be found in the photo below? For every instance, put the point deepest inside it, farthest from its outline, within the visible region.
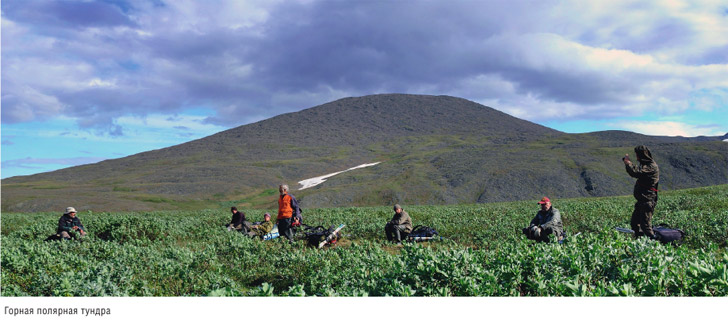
(287, 210)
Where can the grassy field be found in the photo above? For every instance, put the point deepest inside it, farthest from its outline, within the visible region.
(483, 253)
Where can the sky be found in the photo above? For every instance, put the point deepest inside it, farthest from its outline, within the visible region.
(84, 81)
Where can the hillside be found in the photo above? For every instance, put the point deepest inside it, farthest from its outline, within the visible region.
(433, 149)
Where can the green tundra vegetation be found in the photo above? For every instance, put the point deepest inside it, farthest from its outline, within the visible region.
(482, 253)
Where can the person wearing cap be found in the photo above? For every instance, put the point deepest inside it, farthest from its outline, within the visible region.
(399, 226)
(259, 230)
(237, 222)
(69, 224)
(547, 221)
(645, 190)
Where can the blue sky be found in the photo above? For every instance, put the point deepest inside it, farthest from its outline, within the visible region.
(84, 81)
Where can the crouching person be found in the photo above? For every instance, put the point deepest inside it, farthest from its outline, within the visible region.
(259, 230)
(400, 225)
(69, 225)
(546, 222)
(238, 221)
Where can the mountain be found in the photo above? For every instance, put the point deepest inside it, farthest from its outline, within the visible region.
(432, 149)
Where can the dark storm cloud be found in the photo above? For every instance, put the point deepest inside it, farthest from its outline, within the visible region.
(581, 88)
(367, 45)
(67, 14)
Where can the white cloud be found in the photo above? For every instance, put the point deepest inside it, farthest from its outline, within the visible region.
(96, 82)
(669, 128)
(40, 163)
(200, 17)
(554, 77)
(28, 104)
(160, 121)
(48, 76)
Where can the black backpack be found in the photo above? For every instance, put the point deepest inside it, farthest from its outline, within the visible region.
(421, 232)
(666, 235)
(54, 237)
(316, 235)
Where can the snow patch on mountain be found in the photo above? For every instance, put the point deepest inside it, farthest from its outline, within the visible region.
(308, 183)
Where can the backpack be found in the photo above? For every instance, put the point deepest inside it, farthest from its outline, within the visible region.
(666, 235)
(272, 234)
(316, 235)
(421, 232)
(297, 217)
(54, 237)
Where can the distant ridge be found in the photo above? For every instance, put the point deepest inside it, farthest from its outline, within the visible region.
(433, 149)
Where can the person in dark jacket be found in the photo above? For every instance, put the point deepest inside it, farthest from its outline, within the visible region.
(237, 222)
(400, 225)
(645, 190)
(547, 221)
(69, 225)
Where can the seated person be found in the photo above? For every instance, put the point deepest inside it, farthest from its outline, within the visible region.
(69, 225)
(547, 221)
(237, 222)
(259, 230)
(400, 225)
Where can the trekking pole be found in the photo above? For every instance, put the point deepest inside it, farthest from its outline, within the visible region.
(417, 239)
(331, 236)
(623, 230)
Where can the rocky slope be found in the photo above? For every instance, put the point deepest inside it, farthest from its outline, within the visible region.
(433, 149)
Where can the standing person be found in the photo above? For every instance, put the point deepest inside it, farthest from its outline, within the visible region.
(547, 221)
(287, 210)
(645, 190)
(399, 226)
(237, 222)
(69, 224)
(259, 230)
